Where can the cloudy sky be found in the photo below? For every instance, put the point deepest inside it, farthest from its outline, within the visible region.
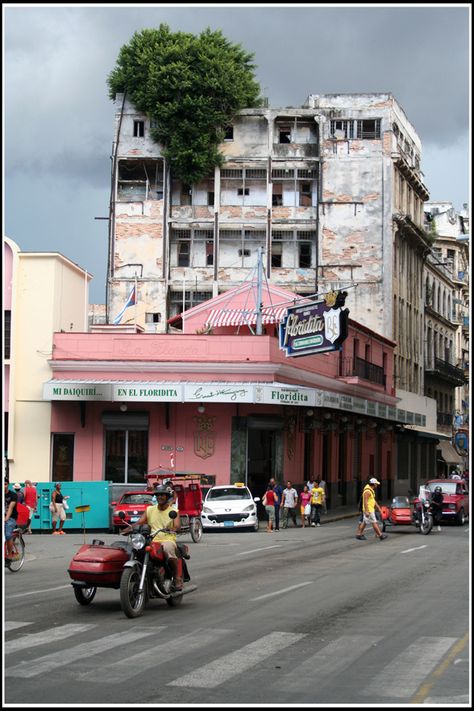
(59, 120)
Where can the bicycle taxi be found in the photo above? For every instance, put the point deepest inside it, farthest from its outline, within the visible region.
(187, 487)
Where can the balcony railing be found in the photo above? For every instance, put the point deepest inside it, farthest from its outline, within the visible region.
(444, 418)
(445, 370)
(360, 368)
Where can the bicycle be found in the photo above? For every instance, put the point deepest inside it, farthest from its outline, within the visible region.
(15, 563)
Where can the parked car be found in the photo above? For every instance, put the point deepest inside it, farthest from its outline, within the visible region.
(230, 506)
(133, 504)
(455, 499)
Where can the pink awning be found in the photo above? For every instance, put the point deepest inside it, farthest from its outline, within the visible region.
(244, 317)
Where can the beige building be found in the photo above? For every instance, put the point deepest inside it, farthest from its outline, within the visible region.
(44, 292)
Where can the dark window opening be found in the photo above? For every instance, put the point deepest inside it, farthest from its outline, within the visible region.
(210, 198)
(305, 195)
(243, 191)
(7, 315)
(209, 254)
(63, 457)
(368, 128)
(276, 255)
(285, 135)
(277, 196)
(153, 317)
(229, 133)
(138, 129)
(183, 254)
(244, 252)
(304, 256)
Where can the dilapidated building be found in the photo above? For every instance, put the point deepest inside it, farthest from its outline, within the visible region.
(331, 191)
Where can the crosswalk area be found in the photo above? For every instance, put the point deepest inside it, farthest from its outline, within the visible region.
(216, 659)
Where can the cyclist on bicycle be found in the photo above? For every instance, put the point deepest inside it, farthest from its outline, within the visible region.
(11, 514)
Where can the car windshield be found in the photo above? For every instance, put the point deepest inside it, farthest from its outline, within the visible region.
(136, 499)
(230, 493)
(400, 502)
(447, 487)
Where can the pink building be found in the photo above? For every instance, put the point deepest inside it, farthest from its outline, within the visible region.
(219, 400)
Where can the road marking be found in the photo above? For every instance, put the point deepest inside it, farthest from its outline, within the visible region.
(230, 665)
(49, 662)
(38, 592)
(331, 659)
(148, 659)
(8, 626)
(49, 635)
(255, 550)
(280, 592)
(403, 675)
(421, 696)
(409, 550)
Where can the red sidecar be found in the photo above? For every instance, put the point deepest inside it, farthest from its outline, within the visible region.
(399, 513)
(97, 566)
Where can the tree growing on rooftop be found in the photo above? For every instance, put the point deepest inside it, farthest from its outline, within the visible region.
(192, 86)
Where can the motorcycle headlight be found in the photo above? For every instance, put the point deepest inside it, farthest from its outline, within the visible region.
(250, 508)
(137, 541)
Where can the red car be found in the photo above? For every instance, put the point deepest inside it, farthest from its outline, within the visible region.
(133, 504)
(455, 499)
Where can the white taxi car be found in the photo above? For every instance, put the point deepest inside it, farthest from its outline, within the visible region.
(230, 506)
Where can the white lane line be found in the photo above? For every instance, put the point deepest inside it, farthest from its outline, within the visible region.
(255, 550)
(331, 659)
(409, 550)
(148, 659)
(50, 635)
(403, 675)
(280, 592)
(38, 592)
(230, 665)
(14, 625)
(50, 662)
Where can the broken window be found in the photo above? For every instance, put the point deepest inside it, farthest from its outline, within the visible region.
(138, 129)
(368, 128)
(304, 255)
(240, 243)
(186, 195)
(284, 135)
(231, 191)
(190, 299)
(209, 253)
(229, 133)
(306, 195)
(350, 128)
(140, 180)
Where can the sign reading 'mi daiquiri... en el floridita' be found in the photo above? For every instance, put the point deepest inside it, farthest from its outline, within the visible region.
(315, 327)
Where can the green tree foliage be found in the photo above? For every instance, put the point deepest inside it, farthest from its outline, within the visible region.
(192, 86)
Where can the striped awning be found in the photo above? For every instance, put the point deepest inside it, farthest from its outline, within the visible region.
(244, 317)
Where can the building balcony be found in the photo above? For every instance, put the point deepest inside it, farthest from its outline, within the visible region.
(444, 419)
(360, 368)
(446, 371)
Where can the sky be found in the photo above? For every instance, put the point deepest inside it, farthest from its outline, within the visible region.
(58, 118)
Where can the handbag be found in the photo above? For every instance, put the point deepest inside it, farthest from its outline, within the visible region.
(52, 507)
(65, 504)
(307, 510)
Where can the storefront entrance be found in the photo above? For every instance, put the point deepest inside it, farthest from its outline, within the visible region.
(257, 451)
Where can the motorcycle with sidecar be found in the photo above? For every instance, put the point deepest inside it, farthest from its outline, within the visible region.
(402, 512)
(137, 567)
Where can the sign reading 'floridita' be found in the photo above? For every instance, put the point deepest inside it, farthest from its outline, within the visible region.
(316, 327)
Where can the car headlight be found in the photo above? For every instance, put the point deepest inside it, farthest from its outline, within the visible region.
(452, 506)
(206, 509)
(137, 541)
(249, 508)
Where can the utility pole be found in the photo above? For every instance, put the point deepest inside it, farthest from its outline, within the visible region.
(258, 330)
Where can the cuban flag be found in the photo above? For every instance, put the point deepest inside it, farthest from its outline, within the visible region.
(131, 301)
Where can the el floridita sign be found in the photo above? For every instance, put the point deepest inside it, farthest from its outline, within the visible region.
(316, 327)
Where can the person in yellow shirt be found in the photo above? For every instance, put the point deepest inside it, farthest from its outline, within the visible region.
(157, 516)
(317, 502)
(369, 505)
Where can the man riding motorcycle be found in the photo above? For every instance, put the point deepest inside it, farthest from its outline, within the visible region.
(437, 505)
(157, 516)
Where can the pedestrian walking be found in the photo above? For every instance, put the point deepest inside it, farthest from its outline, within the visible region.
(322, 484)
(278, 491)
(31, 500)
(305, 505)
(317, 502)
(288, 504)
(369, 505)
(57, 509)
(268, 501)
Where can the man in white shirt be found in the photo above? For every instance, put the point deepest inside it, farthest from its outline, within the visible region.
(289, 500)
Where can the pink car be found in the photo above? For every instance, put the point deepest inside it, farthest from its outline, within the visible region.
(455, 499)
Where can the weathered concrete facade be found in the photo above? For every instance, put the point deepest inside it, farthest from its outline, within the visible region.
(330, 191)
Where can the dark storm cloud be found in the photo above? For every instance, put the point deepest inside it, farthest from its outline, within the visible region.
(59, 120)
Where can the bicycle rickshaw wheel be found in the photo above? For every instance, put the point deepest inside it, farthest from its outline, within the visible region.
(196, 529)
(18, 554)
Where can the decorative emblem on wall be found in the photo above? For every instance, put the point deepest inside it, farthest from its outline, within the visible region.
(204, 441)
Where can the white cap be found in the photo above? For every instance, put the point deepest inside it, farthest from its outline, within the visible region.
(374, 481)
(17, 486)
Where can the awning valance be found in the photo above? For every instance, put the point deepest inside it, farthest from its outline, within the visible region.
(244, 317)
(449, 454)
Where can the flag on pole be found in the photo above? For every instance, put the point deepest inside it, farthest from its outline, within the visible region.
(132, 299)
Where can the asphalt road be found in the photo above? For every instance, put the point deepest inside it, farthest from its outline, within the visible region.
(294, 617)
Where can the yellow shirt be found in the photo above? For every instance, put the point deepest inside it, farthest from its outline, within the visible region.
(317, 495)
(370, 505)
(156, 518)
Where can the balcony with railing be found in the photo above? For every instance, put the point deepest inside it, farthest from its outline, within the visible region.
(360, 368)
(445, 419)
(445, 370)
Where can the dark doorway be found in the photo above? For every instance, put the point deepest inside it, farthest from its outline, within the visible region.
(263, 458)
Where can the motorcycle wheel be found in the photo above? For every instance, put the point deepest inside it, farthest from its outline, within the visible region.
(84, 596)
(132, 601)
(196, 530)
(426, 527)
(175, 600)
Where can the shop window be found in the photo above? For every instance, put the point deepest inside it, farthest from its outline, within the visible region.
(62, 457)
(126, 447)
